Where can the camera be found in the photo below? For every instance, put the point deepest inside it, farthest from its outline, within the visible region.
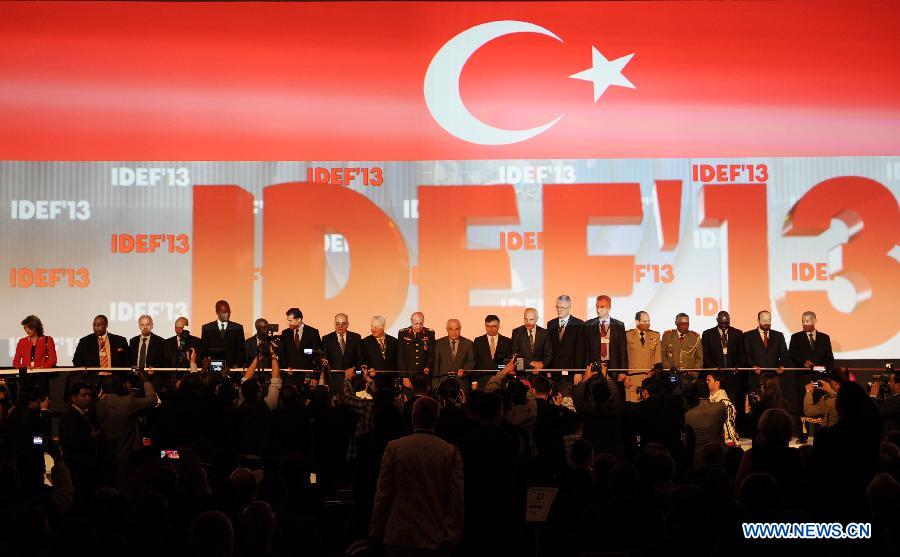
(171, 454)
(216, 366)
(37, 441)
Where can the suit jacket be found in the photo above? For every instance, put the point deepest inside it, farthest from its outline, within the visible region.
(713, 355)
(79, 446)
(801, 350)
(370, 353)
(707, 421)
(290, 357)
(419, 496)
(230, 348)
(543, 350)
(444, 363)
(686, 353)
(757, 354)
(251, 351)
(156, 351)
(568, 352)
(87, 352)
(173, 352)
(44, 353)
(483, 360)
(643, 357)
(617, 351)
(350, 358)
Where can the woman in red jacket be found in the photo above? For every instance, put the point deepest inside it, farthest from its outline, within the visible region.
(35, 351)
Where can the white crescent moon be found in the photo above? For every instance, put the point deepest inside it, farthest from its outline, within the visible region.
(442, 85)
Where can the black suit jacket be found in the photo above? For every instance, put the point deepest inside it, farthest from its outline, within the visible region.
(290, 357)
(712, 348)
(79, 446)
(156, 352)
(370, 353)
(801, 350)
(251, 350)
(173, 353)
(483, 360)
(543, 350)
(617, 350)
(87, 352)
(350, 357)
(568, 353)
(756, 353)
(230, 348)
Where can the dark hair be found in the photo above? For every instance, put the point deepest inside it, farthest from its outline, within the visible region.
(103, 317)
(250, 390)
(518, 394)
(581, 452)
(680, 315)
(758, 315)
(541, 384)
(76, 388)
(600, 392)
(491, 317)
(637, 316)
(488, 406)
(772, 397)
(702, 389)
(113, 384)
(419, 383)
(425, 413)
(449, 390)
(27, 394)
(32, 322)
(294, 313)
(716, 375)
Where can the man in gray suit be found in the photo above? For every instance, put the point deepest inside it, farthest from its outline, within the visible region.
(418, 507)
(454, 355)
(706, 420)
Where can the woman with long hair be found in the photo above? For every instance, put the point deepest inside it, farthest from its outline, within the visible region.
(770, 397)
(36, 351)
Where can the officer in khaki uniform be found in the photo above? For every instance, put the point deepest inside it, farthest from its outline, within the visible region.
(415, 351)
(681, 347)
(644, 352)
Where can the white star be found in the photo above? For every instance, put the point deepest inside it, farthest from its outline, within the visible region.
(605, 73)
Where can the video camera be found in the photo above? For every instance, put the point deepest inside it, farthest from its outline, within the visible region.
(882, 381)
(267, 339)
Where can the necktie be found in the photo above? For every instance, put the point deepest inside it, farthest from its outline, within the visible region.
(681, 338)
(383, 349)
(724, 338)
(341, 342)
(104, 356)
(562, 328)
(453, 349)
(142, 355)
(531, 338)
(297, 339)
(493, 346)
(766, 339)
(222, 331)
(642, 338)
(812, 341)
(604, 348)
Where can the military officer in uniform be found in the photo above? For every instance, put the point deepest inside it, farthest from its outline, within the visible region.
(644, 352)
(681, 347)
(416, 349)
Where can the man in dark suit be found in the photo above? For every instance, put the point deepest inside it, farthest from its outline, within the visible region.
(98, 350)
(147, 349)
(223, 339)
(378, 351)
(257, 344)
(723, 347)
(341, 349)
(454, 355)
(79, 438)
(808, 348)
(491, 350)
(763, 348)
(605, 337)
(178, 347)
(532, 343)
(299, 343)
(567, 337)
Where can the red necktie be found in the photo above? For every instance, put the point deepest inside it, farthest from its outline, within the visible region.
(604, 348)
(297, 339)
(766, 338)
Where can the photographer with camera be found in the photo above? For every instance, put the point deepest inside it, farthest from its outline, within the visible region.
(824, 407)
(255, 409)
(599, 403)
(257, 346)
(885, 392)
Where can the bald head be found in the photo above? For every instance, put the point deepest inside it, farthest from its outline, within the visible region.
(454, 327)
